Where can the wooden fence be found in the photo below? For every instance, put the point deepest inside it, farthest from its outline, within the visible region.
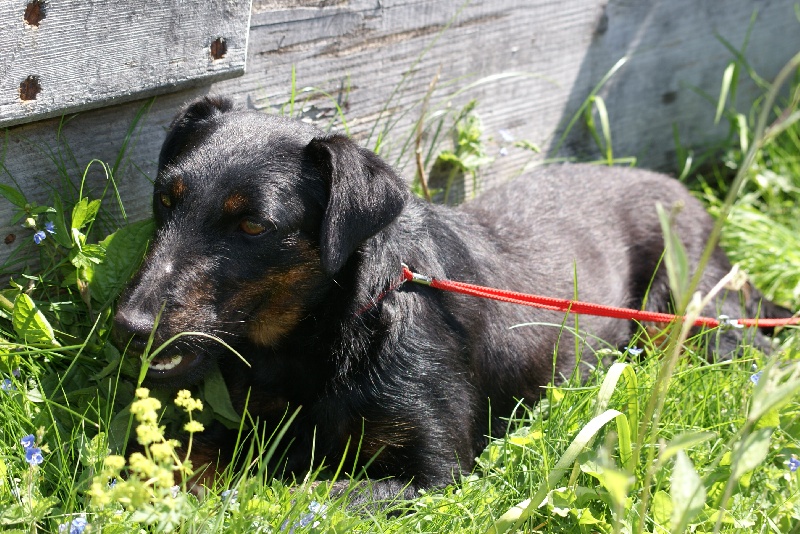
(529, 64)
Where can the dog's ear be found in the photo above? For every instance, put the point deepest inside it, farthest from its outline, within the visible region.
(187, 128)
(365, 195)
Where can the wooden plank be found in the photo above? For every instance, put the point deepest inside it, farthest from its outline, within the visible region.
(533, 63)
(74, 55)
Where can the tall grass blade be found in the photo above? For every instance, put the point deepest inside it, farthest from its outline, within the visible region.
(578, 114)
(727, 78)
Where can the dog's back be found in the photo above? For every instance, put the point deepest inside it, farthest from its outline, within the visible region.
(581, 232)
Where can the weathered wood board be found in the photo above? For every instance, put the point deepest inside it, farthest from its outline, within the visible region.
(70, 55)
(530, 64)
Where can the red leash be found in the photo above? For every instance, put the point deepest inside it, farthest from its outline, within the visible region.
(585, 308)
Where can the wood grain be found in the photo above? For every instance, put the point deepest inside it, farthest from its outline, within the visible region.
(71, 55)
(530, 64)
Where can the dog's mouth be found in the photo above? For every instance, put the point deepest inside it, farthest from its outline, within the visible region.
(170, 365)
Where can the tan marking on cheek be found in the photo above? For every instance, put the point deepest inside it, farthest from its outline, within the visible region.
(270, 326)
(282, 310)
(275, 301)
(234, 204)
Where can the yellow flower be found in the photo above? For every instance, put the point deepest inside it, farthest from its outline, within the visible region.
(162, 452)
(142, 465)
(185, 401)
(147, 434)
(114, 463)
(165, 478)
(193, 426)
(146, 409)
(100, 497)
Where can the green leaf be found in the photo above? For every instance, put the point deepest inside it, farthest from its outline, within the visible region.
(119, 429)
(616, 482)
(751, 452)
(770, 419)
(91, 452)
(14, 515)
(215, 393)
(776, 388)
(560, 501)
(13, 196)
(682, 442)
(84, 213)
(123, 252)
(586, 517)
(30, 323)
(661, 508)
(602, 112)
(688, 492)
(87, 256)
(113, 357)
(63, 235)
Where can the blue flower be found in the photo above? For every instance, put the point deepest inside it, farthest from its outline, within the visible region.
(305, 520)
(634, 351)
(76, 526)
(28, 441)
(7, 385)
(50, 227)
(33, 455)
(755, 377)
(232, 494)
(794, 463)
(317, 508)
(39, 236)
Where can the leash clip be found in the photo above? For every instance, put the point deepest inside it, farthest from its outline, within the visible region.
(418, 278)
(726, 323)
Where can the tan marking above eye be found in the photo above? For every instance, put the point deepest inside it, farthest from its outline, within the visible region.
(178, 187)
(234, 203)
(251, 227)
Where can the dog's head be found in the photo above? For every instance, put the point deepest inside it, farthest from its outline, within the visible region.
(255, 214)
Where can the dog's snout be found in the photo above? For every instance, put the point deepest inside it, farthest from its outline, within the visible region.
(133, 327)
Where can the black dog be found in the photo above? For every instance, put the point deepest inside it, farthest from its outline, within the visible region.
(287, 244)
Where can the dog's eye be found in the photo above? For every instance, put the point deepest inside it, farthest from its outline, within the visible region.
(165, 199)
(251, 227)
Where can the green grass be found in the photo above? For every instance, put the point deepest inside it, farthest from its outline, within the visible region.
(655, 443)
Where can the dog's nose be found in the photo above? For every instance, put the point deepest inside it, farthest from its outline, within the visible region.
(133, 328)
